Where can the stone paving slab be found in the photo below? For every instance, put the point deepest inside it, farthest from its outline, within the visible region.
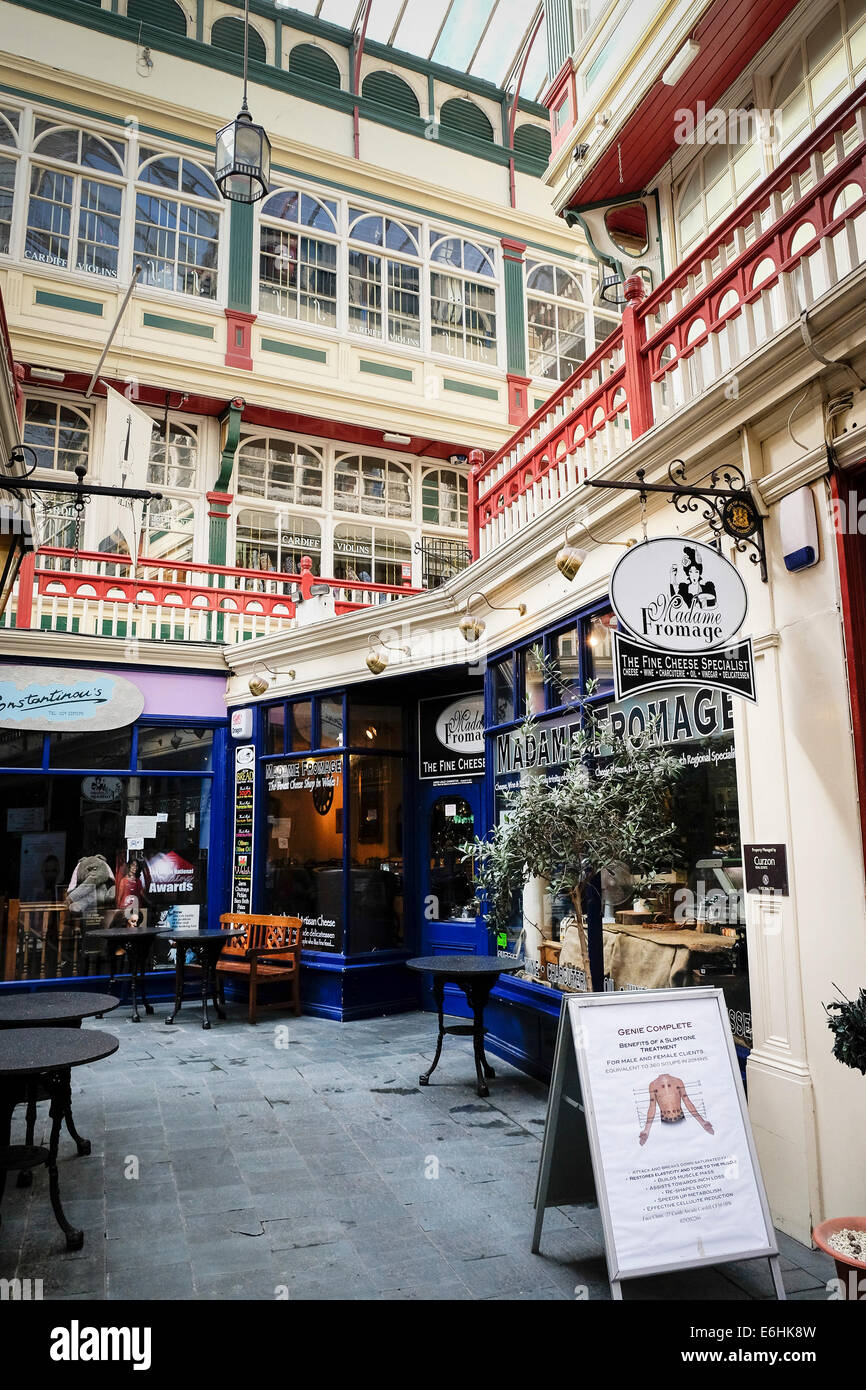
(226, 1166)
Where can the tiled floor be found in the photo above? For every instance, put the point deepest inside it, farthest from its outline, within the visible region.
(301, 1159)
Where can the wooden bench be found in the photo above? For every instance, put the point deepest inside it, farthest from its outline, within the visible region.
(267, 949)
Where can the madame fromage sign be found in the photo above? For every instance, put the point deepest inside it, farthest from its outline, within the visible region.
(48, 698)
(682, 605)
(451, 736)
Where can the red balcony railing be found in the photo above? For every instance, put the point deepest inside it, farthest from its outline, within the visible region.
(789, 243)
(98, 594)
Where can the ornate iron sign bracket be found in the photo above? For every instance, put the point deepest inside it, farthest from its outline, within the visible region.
(724, 498)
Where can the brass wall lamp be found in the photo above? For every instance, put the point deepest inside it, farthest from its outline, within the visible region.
(570, 557)
(472, 628)
(259, 684)
(378, 653)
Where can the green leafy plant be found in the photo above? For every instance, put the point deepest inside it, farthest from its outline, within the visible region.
(611, 805)
(846, 1019)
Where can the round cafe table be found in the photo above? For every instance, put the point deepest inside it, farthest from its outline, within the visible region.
(44, 1056)
(476, 976)
(205, 946)
(138, 944)
(43, 1008)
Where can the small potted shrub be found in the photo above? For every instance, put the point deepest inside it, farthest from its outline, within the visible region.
(844, 1237)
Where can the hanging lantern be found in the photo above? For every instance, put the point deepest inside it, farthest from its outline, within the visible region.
(243, 159)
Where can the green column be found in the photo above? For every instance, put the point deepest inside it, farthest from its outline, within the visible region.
(241, 258)
(515, 309)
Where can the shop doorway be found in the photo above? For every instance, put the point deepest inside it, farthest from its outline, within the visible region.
(449, 815)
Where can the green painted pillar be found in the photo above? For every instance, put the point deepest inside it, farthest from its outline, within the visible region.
(515, 331)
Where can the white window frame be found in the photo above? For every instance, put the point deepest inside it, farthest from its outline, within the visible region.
(268, 438)
(300, 229)
(176, 195)
(584, 304)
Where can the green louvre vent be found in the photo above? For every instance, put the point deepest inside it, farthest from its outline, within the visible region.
(534, 140)
(463, 115)
(306, 60)
(160, 14)
(389, 90)
(228, 34)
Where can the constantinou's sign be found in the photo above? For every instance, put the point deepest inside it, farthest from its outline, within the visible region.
(663, 1121)
(49, 698)
(678, 597)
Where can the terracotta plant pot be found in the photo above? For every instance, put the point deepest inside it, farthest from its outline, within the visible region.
(853, 1285)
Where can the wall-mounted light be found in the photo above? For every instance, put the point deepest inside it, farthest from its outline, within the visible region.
(472, 628)
(404, 439)
(678, 65)
(258, 684)
(378, 655)
(569, 558)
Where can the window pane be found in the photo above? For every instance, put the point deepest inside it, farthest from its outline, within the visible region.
(567, 658)
(107, 748)
(503, 691)
(98, 227)
(375, 726)
(19, 748)
(275, 729)
(533, 682)
(331, 722)
(7, 190)
(175, 749)
(451, 825)
(365, 293)
(376, 853)
(304, 869)
(600, 651)
(300, 726)
(49, 216)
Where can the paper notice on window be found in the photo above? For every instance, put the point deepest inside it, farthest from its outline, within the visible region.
(140, 827)
(674, 1150)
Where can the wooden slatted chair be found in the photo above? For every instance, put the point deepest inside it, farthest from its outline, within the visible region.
(267, 950)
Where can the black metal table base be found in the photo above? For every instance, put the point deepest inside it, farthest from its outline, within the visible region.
(477, 993)
(206, 958)
(137, 953)
(23, 1158)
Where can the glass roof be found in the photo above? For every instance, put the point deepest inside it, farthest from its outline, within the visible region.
(486, 38)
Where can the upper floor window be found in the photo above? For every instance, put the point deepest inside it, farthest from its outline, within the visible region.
(9, 122)
(59, 434)
(713, 185)
(177, 217)
(74, 210)
(445, 499)
(273, 541)
(172, 462)
(372, 555)
(281, 470)
(372, 486)
(298, 258)
(827, 64)
(384, 283)
(556, 321)
(169, 527)
(462, 298)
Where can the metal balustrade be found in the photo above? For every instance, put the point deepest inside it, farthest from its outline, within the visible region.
(796, 236)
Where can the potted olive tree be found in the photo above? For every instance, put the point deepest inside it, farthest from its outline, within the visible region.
(610, 806)
(844, 1237)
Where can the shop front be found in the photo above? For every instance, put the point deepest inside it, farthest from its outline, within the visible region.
(112, 788)
(685, 923)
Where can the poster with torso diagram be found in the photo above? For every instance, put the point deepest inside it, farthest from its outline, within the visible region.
(674, 1159)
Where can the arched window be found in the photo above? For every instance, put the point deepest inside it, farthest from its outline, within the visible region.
(372, 486)
(823, 67)
(307, 60)
(298, 267)
(461, 114)
(445, 498)
(73, 217)
(162, 14)
(275, 541)
(9, 125)
(718, 180)
(389, 90)
(385, 284)
(556, 321)
(169, 527)
(371, 555)
(462, 299)
(175, 465)
(534, 140)
(59, 433)
(280, 470)
(177, 218)
(228, 34)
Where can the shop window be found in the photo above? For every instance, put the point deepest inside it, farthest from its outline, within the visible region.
(462, 299)
(109, 748)
(59, 434)
(298, 258)
(168, 534)
(385, 285)
(375, 853)
(445, 498)
(300, 726)
(268, 541)
(599, 647)
(566, 657)
(177, 221)
(304, 864)
(556, 321)
(176, 749)
(372, 486)
(451, 825)
(503, 691)
(330, 721)
(280, 470)
(367, 557)
(73, 218)
(20, 748)
(172, 464)
(275, 729)
(533, 681)
(376, 727)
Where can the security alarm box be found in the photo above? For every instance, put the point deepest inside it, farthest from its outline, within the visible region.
(798, 528)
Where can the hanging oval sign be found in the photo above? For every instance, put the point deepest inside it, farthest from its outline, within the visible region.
(58, 697)
(678, 596)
